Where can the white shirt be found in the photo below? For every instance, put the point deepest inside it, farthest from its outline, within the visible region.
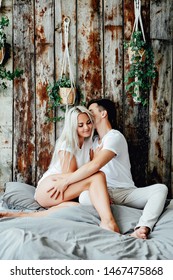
(117, 170)
(82, 156)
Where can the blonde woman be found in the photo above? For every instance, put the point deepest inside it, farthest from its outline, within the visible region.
(72, 150)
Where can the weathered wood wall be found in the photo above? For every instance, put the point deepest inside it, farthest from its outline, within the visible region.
(97, 31)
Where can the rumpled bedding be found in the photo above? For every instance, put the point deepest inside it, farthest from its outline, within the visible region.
(73, 233)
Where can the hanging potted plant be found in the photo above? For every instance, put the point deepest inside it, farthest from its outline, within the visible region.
(66, 90)
(61, 94)
(57, 100)
(136, 48)
(4, 22)
(142, 71)
(63, 91)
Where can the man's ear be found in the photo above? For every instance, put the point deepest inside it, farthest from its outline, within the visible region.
(104, 113)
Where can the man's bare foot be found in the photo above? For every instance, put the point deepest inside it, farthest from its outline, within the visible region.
(141, 232)
(110, 226)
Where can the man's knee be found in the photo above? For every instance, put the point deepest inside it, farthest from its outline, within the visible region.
(162, 188)
(84, 198)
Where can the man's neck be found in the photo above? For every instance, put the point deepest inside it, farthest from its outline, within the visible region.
(103, 129)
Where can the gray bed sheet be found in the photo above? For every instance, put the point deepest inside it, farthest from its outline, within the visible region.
(74, 234)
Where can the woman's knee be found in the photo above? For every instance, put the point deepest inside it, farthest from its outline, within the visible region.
(100, 176)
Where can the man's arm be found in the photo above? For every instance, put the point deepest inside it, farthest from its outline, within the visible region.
(85, 171)
(90, 168)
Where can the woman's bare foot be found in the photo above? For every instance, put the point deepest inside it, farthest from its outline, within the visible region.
(12, 214)
(39, 213)
(141, 232)
(110, 226)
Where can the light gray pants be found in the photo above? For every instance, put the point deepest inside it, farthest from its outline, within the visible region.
(151, 199)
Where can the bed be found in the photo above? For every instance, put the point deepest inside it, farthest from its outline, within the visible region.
(74, 234)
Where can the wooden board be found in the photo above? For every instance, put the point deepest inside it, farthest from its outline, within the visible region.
(161, 97)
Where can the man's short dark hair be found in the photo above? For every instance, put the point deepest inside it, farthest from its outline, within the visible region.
(109, 106)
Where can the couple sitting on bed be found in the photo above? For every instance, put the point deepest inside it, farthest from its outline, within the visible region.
(98, 172)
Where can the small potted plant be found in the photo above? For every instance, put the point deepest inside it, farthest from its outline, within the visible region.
(142, 70)
(61, 94)
(4, 22)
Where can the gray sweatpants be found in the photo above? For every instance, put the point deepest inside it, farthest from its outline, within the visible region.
(151, 199)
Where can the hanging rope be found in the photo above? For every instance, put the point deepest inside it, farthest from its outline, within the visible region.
(138, 18)
(137, 22)
(66, 57)
(67, 93)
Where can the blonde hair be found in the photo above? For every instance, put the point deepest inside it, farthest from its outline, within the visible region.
(69, 136)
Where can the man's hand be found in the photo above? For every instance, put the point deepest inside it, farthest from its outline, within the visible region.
(58, 188)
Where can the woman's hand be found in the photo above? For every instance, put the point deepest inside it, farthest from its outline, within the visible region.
(97, 150)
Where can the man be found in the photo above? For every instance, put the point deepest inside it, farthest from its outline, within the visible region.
(113, 160)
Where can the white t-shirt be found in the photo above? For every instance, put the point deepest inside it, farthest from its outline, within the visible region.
(117, 170)
(82, 156)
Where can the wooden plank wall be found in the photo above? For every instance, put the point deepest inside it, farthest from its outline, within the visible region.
(97, 31)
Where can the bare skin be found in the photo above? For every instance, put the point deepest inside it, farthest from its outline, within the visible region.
(38, 214)
(96, 184)
(141, 233)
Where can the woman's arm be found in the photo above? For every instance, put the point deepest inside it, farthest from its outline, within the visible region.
(67, 161)
(68, 166)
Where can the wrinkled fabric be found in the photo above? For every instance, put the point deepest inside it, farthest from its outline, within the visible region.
(74, 234)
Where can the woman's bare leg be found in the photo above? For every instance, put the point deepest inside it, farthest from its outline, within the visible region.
(39, 213)
(44, 197)
(96, 184)
(100, 198)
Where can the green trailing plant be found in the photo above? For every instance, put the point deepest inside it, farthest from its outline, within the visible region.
(55, 100)
(4, 22)
(142, 71)
(4, 73)
(7, 75)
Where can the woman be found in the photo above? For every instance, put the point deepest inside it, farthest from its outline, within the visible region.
(72, 150)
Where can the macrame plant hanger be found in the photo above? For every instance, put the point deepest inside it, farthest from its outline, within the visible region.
(68, 94)
(138, 20)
